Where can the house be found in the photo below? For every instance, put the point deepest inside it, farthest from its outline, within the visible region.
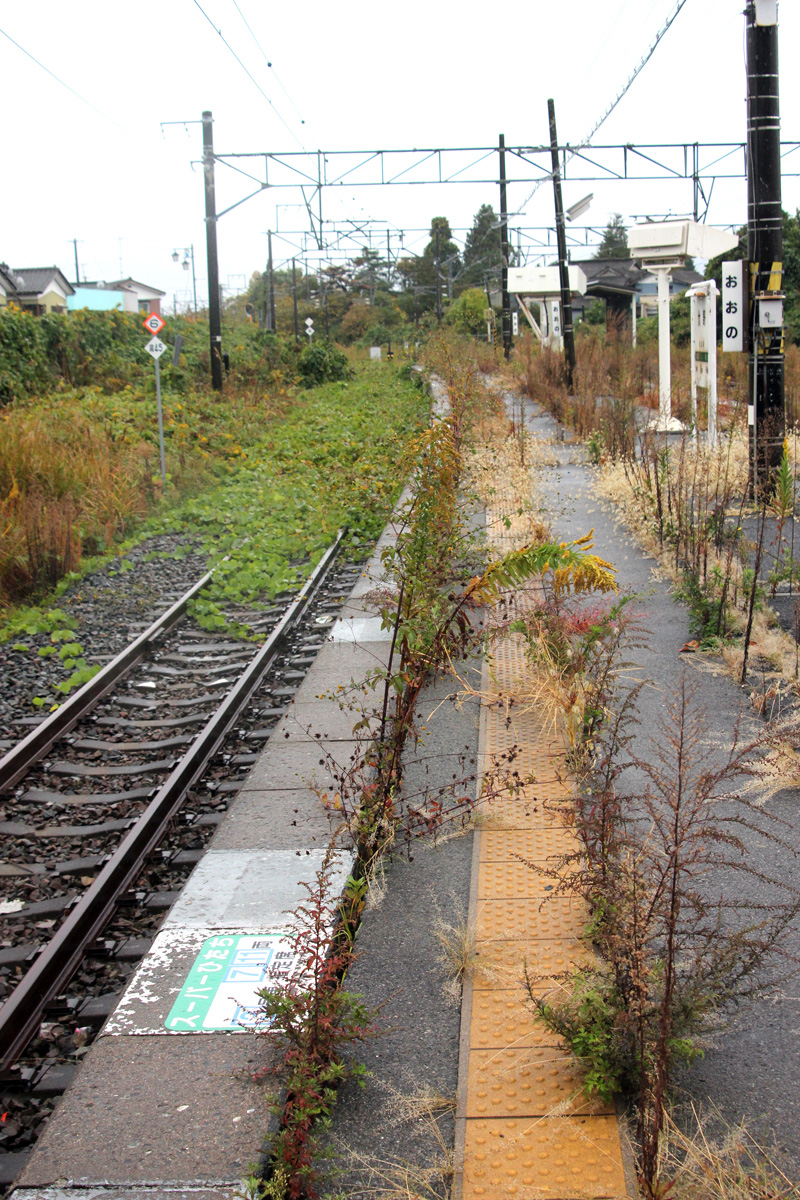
(40, 289)
(618, 280)
(8, 292)
(139, 297)
(681, 279)
(97, 297)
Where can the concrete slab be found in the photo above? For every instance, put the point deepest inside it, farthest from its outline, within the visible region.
(360, 630)
(327, 721)
(372, 581)
(340, 668)
(153, 1110)
(250, 890)
(288, 766)
(293, 819)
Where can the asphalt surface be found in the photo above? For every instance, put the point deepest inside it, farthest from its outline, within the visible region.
(384, 1132)
(752, 1069)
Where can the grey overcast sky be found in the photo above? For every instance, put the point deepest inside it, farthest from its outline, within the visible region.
(87, 158)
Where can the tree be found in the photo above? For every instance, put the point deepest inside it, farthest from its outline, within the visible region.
(615, 239)
(419, 275)
(468, 312)
(482, 250)
(372, 273)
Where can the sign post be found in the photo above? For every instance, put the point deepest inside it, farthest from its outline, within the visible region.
(703, 300)
(155, 347)
(310, 329)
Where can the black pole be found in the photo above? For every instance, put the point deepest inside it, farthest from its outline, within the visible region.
(77, 270)
(438, 275)
(563, 266)
(764, 242)
(271, 281)
(214, 315)
(294, 298)
(194, 281)
(504, 253)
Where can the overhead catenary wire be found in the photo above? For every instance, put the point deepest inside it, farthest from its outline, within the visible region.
(249, 75)
(268, 61)
(53, 75)
(619, 96)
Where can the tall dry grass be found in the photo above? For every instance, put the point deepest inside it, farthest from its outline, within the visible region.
(614, 378)
(66, 487)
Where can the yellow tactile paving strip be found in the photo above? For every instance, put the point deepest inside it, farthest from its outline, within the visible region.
(527, 1128)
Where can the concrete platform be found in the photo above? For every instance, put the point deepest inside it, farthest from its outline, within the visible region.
(164, 1105)
(151, 1110)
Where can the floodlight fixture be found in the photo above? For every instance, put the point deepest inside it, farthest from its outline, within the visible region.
(576, 210)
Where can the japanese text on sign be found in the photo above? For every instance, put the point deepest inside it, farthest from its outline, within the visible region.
(733, 305)
(221, 991)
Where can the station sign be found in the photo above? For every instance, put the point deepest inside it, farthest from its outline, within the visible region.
(733, 305)
(221, 990)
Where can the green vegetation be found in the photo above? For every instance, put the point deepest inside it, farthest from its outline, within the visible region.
(279, 471)
(105, 350)
(324, 464)
(377, 298)
(615, 239)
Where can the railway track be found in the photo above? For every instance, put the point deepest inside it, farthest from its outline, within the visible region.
(106, 806)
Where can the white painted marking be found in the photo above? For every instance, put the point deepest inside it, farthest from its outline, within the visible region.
(360, 629)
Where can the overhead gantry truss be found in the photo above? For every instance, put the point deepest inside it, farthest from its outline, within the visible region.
(315, 170)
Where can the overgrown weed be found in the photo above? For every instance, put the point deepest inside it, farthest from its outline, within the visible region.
(431, 611)
(681, 942)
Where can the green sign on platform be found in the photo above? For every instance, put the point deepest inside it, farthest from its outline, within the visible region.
(221, 989)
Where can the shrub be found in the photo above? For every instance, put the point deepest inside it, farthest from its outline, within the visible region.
(322, 363)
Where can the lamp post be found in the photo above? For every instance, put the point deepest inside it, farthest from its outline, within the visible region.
(188, 257)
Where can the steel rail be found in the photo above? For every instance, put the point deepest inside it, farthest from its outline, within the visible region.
(21, 1014)
(18, 761)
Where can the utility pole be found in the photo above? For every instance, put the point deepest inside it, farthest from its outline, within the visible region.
(271, 281)
(764, 242)
(214, 308)
(294, 298)
(504, 253)
(563, 265)
(438, 275)
(77, 271)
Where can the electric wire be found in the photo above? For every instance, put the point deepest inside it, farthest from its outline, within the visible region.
(53, 75)
(612, 27)
(251, 77)
(620, 95)
(268, 62)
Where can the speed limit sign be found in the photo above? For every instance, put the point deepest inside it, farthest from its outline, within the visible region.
(154, 324)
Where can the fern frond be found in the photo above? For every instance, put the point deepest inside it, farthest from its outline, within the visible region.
(572, 567)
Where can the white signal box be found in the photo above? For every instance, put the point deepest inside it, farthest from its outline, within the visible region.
(544, 281)
(668, 243)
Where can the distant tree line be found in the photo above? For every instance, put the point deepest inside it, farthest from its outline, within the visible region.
(374, 298)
